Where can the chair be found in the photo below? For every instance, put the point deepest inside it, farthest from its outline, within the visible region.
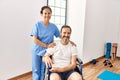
(78, 69)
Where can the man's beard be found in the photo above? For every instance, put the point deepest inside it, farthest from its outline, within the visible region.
(65, 39)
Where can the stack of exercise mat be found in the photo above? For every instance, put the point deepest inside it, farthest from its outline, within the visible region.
(111, 50)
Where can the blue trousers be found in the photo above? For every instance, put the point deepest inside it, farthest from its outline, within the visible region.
(38, 67)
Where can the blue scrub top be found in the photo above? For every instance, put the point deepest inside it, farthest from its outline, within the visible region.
(44, 34)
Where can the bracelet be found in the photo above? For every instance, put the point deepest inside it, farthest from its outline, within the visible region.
(44, 56)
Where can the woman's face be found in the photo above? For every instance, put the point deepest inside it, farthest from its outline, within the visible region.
(46, 14)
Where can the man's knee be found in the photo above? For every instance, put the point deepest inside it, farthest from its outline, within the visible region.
(54, 76)
(75, 76)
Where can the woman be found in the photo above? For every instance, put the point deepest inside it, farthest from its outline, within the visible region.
(43, 35)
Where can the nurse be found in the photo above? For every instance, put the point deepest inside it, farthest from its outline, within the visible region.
(43, 33)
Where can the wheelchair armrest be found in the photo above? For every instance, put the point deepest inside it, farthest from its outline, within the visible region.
(79, 61)
(79, 66)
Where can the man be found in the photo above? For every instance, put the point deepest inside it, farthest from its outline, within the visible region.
(63, 60)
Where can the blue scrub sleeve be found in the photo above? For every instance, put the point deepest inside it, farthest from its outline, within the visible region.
(57, 32)
(34, 31)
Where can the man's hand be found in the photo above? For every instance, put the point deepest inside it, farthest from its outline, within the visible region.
(56, 69)
(73, 43)
(48, 61)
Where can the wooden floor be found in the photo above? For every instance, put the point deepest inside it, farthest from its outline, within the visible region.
(90, 71)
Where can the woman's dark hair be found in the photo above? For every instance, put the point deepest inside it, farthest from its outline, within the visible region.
(66, 26)
(44, 7)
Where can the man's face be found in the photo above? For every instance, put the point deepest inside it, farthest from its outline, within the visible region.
(65, 35)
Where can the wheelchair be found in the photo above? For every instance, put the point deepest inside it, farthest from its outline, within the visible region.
(77, 69)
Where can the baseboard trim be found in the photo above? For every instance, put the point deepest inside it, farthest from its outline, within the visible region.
(90, 62)
(118, 57)
(21, 76)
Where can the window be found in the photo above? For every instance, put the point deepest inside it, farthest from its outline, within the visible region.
(59, 11)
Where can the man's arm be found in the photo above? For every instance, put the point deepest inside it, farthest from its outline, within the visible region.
(67, 68)
(72, 65)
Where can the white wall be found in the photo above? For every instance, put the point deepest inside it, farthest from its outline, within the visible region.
(76, 19)
(16, 20)
(102, 24)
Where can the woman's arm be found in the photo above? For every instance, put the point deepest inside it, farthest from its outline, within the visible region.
(72, 43)
(37, 41)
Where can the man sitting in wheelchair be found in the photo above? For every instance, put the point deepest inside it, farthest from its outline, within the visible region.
(64, 56)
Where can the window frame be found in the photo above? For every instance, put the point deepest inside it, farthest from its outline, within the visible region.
(54, 16)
